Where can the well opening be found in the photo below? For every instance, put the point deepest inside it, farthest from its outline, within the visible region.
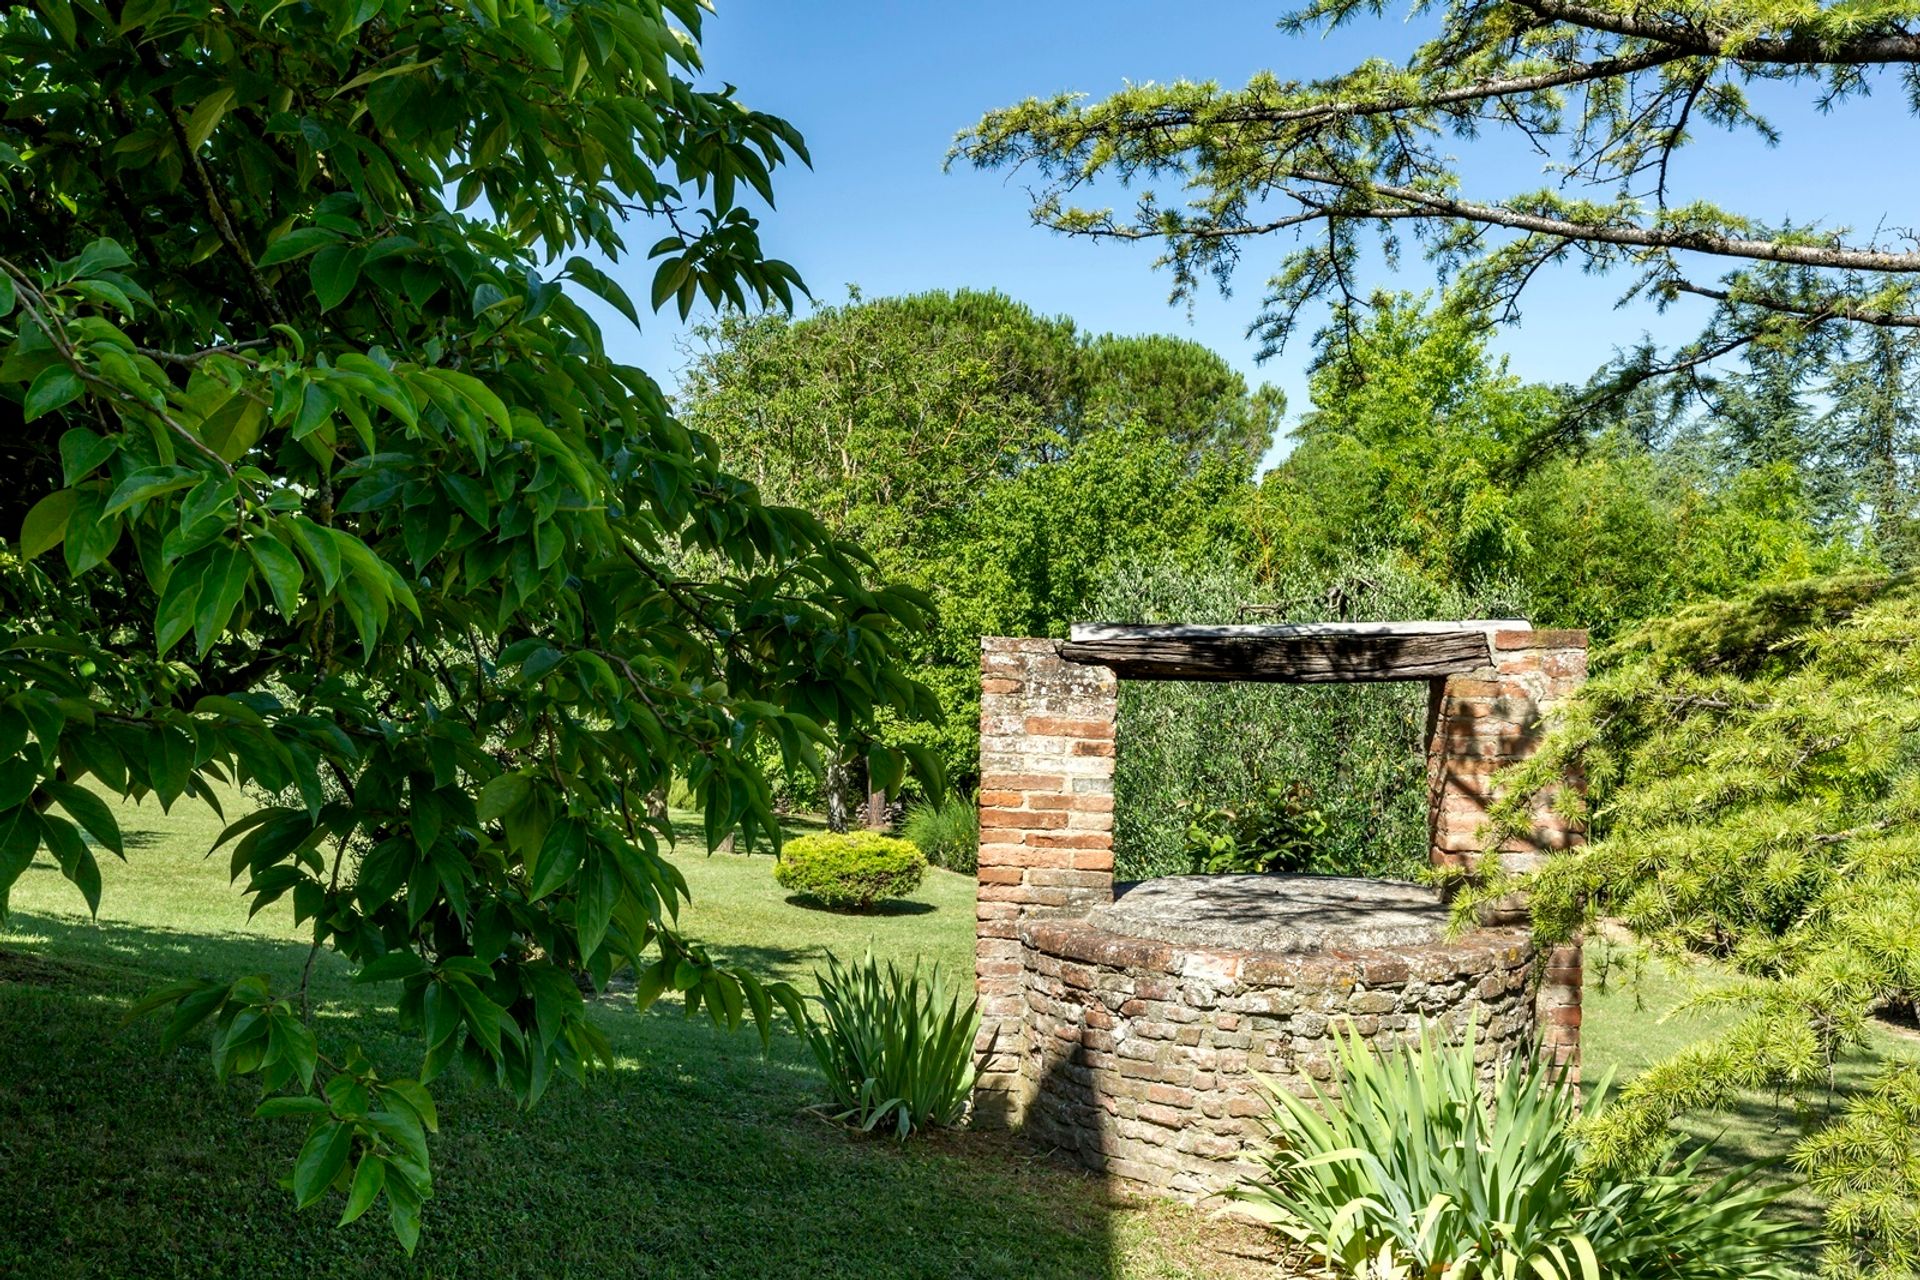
(1322, 779)
(1125, 1023)
(1279, 913)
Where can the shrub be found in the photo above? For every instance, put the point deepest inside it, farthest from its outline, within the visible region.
(681, 795)
(896, 1048)
(1415, 1172)
(853, 869)
(1277, 830)
(948, 833)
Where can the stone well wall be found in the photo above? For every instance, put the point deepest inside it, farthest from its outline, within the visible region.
(1141, 1054)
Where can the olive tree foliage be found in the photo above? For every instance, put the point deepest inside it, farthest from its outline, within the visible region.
(1753, 794)
(1355, 755)
(1611, 93)
(320, 480)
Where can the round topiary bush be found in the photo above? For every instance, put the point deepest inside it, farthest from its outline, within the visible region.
(852, 870)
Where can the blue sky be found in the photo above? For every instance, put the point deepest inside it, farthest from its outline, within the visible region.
(880, 88)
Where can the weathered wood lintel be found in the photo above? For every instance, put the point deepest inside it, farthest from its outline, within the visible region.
(1304, 653)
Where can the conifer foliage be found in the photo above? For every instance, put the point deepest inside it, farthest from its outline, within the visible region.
(1753, 784)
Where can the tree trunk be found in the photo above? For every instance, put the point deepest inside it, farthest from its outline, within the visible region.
(835, 784)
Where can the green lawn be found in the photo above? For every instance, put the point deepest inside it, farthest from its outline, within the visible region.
(696, 1156)
(1632, 1020)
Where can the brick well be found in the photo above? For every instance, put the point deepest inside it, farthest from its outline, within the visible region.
(1137, 1056)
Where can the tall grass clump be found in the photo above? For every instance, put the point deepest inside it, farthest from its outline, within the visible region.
(1414, 1172)
(895, 1047)
(948, 833)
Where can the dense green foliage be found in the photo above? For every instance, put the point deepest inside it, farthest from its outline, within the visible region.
(850, 869)
(1754, 793)
(999, 460)
(1275, 831)
(1352, 754)
(1415, 1169)
(321, 481)
(1421, 444)
(933, 427)
(895, 1047)
(948, 832)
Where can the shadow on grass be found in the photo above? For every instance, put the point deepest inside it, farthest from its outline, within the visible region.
(694, 1157)
(884, 909)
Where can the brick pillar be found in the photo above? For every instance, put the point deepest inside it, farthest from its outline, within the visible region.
(1481, 721)
(1046, 831)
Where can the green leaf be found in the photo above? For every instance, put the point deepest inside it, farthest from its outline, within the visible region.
(416, 1099)
(75, 859)
(90, 811)
(603, 285)
(235, 426)
(281, 570)
(220, 591)
(560, 856)
(334, 271)
(369, 1177)
(298, 1046)
(91, 536)
(320, 1161)
(297, 243)
(280, 1108)
(180, 602)
(54, 386)
(46, 523)
(392, 966)
(104, 254)
(502, 796)
(18, 777)
(206, 117)
(81, 451)
(19, 841)
(403, 1214)
(170, 763)
(598, 895)
(148, 482)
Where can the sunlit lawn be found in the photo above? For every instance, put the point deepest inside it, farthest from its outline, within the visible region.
(697, 1156)
(1633, 1018)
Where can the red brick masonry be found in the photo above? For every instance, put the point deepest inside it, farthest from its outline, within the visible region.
(1479, 722)
(1137, 1055)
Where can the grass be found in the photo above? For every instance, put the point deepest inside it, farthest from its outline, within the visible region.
(696, 1156)
(1633, 1017)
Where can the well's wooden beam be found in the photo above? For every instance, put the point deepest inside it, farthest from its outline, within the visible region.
(1302, 653)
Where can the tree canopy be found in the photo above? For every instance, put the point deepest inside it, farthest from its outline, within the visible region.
(322, 482)
(1002, 461)
(1611, 94)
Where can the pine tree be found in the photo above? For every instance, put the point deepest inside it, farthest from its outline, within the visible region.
(1753, 788)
